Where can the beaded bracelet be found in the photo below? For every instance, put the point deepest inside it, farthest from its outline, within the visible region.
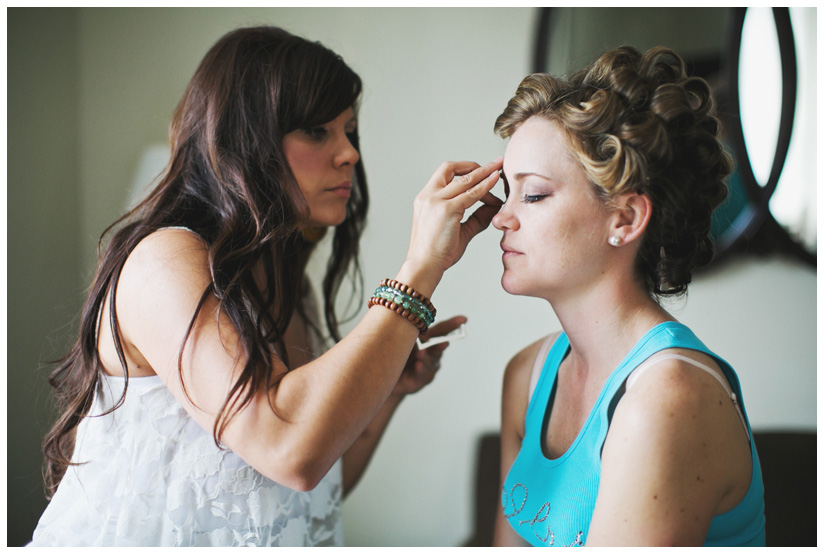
(419, 302)
(411, 303)
(405, 301)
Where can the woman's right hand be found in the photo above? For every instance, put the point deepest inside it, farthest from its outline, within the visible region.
(439, 238)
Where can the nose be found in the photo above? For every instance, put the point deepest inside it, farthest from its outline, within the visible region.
(346, 154)
(505, 218)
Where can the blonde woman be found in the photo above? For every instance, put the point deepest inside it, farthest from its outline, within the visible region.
(622, 428)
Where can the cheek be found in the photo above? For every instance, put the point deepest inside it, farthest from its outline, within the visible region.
(569, 244)
(302, 161)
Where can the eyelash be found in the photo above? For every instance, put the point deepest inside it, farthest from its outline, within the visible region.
(316, 133)
(320, 133)
(527, 199)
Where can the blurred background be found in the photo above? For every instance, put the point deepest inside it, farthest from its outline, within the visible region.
(91, 91)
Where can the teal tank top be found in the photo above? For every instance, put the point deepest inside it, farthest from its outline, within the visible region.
(550, 502)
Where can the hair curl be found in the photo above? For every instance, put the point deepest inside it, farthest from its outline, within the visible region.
(638, 123)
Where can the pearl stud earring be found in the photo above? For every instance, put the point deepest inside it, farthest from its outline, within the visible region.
(615, 240)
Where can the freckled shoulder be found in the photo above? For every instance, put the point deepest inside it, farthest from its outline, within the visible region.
(676, 383)
(671, 389)
(674, 456)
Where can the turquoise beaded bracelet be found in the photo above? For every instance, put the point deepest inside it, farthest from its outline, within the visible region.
(402, 299)
(405, 301)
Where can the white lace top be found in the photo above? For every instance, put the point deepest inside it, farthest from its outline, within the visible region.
(153, 477)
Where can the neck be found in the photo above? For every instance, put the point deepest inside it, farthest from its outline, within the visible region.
(604, 323)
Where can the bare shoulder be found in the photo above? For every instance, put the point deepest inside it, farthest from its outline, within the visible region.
(681, 415)
(168, 244)
(681, 422)
(159, 286)
(676, 384)
(671, 393)
(163, 278)
(164, 255)
(684, 422)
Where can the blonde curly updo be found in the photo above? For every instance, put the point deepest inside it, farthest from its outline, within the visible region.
(637, 123)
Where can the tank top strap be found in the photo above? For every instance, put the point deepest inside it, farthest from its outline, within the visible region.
(673, 335)
(538, 364)
(545, 381)
(651, 362)
(657, 338)
(668, 335)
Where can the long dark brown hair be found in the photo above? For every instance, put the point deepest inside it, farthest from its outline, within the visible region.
(228, 181)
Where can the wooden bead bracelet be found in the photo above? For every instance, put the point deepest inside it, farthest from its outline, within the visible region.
(404, 301)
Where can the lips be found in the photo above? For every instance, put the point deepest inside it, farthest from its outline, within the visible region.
(508, 251)
(343, 190)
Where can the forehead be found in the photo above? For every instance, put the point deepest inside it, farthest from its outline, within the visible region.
(538, 144)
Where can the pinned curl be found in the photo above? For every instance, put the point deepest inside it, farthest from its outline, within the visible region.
(638, 123)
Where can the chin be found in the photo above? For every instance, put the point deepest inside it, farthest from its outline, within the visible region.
(510, 285)
(521, 289)
(331, 220)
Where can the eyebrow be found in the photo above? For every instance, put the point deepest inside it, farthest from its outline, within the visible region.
(522, 175)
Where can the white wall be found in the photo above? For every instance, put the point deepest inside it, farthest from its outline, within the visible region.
(435, 80)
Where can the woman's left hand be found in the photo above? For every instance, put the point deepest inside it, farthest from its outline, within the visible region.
(423, 364)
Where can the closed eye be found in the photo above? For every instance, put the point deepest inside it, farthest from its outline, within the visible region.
(527, 199)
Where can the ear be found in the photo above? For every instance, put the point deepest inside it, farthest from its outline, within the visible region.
(630, 218)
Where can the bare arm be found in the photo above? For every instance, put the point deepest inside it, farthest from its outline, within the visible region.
(358, 456)
(418, 372)
(294, 433)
